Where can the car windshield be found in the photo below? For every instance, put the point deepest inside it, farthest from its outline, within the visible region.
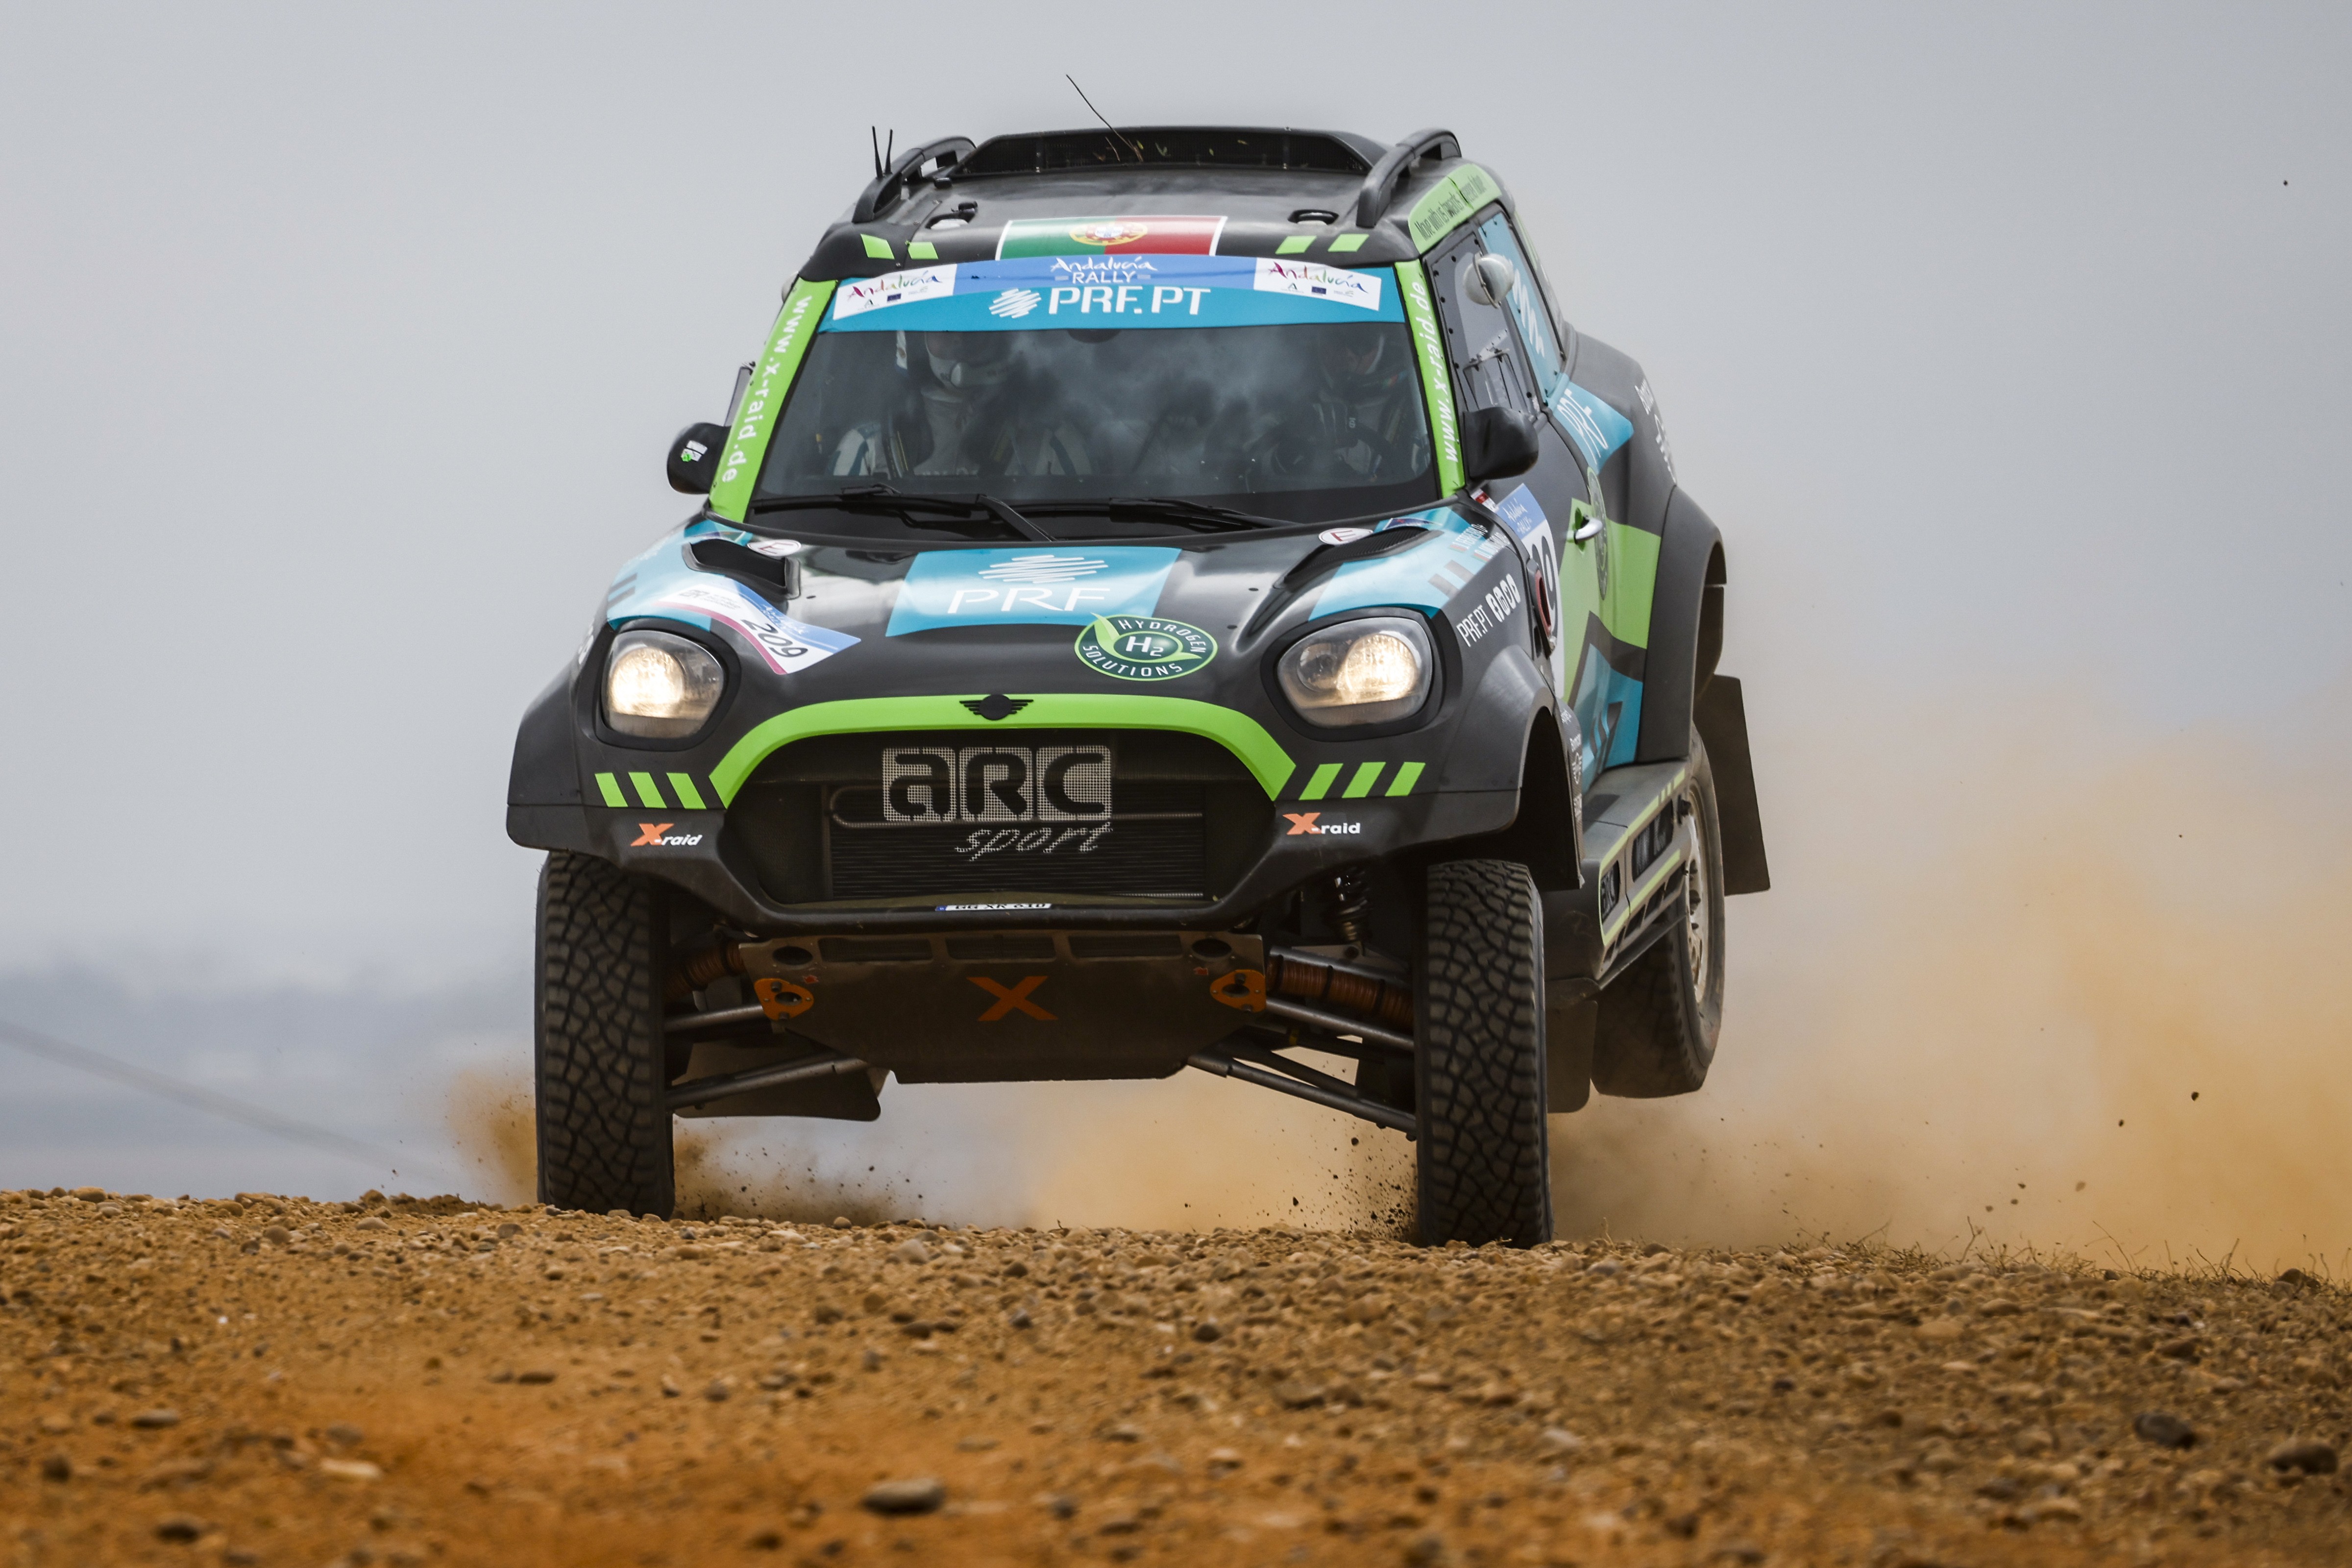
(1071, 380)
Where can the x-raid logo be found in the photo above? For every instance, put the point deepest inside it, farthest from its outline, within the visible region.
(657, 836)
(1311, 823)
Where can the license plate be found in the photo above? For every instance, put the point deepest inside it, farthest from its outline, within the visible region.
(996, 786)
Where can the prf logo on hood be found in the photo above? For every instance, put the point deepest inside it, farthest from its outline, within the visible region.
(1029, 587)
(657, 836)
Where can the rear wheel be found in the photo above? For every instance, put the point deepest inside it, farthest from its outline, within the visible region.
(1659, 1020)
(1482, 1151)
(603, 1119)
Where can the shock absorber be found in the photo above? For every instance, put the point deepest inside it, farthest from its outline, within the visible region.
(1351, 902)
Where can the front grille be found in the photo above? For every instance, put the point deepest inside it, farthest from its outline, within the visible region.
(1154, 845)
(990, 815)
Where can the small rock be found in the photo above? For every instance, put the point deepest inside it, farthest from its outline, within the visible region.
(277, 1235)
(2310, 1455)
(1019, 1318)
(1224, 1459)
(350, 1469)
(57, 1468)
(1942, 1330)
(536, 1375)
(178, 1527)
(1608, 1268)
(873, 1302)
(1208, 1331)
(373, 1222)
(719, 1391)
(343, 1435)
(765, 1541)
(669, 1387)
(1651, 1248)
(1295, 1393)
(90, 1194)
(842, 1222)
(976, 1445)
(2164, 1430)
(918, 1495)
(152, 1419)
(1123, 1433)
(1425, 1551)
(1561, 1440)
(910, 1250)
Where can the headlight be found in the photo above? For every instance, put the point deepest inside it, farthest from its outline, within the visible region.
(1360, 672)
(659, 686)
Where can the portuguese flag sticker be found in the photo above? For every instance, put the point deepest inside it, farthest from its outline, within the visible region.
(1142, 234)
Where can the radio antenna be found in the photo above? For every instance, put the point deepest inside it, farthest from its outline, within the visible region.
(1098, 115)
(882, 157)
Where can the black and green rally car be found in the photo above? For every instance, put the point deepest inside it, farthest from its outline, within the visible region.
(1165, 597)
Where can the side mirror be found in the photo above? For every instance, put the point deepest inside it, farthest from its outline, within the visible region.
(1490, 278)
(1497, 443)
(694, 458)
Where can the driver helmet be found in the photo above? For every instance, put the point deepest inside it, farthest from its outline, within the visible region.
(968, 360)
(1354, 363)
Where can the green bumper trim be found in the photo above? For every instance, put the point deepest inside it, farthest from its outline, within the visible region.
(610, 788)
(1367, 775)
(879, 247)
(1239, 734)
(922, 250)
(1319, 784)
(1436, 383)
(682, 786)
(1407, 776)
(649, 794)
(763, 398)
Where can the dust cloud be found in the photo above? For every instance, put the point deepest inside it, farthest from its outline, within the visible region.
(2012, 988)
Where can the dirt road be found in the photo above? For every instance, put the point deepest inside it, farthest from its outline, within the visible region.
(274, 1381)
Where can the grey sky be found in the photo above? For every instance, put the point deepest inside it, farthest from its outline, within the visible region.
(2008, 347)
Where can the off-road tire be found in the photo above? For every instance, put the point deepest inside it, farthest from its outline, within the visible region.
(1482, 1145)
(1659, 1020)
(603, 1124)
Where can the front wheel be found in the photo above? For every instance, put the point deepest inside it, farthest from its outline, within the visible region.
(604, 1119)
(1483, 1152)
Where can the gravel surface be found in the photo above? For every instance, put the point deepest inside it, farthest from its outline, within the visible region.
(274, 1381)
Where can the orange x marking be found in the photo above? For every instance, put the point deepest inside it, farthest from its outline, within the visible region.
(650, 832)
(1009, 997)
(1302, 822)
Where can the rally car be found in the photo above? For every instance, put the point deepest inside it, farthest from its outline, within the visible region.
(1164, 598)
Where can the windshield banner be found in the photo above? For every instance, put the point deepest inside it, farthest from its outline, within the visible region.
(1107, 291)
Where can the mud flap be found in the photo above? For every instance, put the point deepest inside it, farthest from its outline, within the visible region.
(1571, 1018)
(1722, 719)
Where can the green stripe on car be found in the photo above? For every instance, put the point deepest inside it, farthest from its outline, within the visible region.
(763, 398)
(682, 786)
(1412, 289)
(1407, 775)
(1449, 202)
(879, 247)
(1320, 785)
(1293, 245)
(610, 788)
(1239, 734)
(649, 794)
(1366, 774)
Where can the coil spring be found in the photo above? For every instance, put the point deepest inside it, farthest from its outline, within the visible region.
(701, 969)
(1351, 902)
(1391, 1002)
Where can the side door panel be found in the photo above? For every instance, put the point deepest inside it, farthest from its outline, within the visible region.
(1603, 574)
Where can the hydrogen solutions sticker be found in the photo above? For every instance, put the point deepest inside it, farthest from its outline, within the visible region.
(1144, 647)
